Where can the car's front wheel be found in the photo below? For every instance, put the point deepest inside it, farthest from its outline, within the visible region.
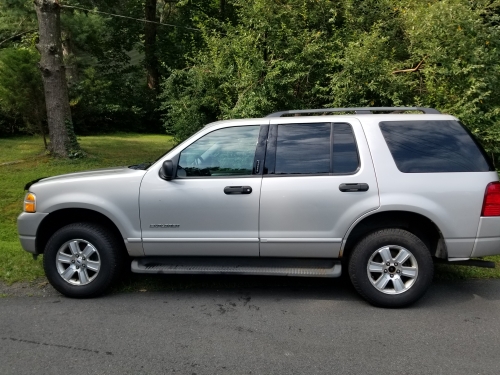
(391, 268)
(82, 260)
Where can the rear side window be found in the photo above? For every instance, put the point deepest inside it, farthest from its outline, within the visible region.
(315, 148)
(345, 152)
(433, 146)
(303, 149)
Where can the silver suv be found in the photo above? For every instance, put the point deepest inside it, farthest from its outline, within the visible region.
(377, 191)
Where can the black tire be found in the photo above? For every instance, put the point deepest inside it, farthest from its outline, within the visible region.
(388, 285)
(105, 250)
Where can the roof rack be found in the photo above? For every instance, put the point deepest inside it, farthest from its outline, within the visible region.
(358, 111)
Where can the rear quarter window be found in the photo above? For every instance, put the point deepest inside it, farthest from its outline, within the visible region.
(345, 152)
(433, 146)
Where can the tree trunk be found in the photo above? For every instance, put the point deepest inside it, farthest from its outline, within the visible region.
(69, 58)
(222, 9)
(42, 130)
(38, 116)
(150, 45)
(62, 138)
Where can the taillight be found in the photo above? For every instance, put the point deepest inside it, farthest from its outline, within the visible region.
(491, 203)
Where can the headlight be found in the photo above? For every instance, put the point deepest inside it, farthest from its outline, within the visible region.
(30, 203)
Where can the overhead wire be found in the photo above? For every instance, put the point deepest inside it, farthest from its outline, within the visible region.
(126, 17)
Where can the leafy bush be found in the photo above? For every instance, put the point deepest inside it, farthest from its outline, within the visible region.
(22, 101)
(301, 54)
(271, 58)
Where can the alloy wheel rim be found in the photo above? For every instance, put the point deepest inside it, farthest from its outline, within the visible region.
(78, 262)
(392, 269)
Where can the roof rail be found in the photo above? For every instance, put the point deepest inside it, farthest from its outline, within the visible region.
(358, 111)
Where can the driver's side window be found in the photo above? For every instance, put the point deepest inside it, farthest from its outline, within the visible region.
(223, 152)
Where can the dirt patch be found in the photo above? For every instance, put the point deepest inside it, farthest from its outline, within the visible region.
(37, 288)
(12, 162)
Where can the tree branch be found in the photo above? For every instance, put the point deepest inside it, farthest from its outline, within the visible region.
(14, 36)
(412, 69)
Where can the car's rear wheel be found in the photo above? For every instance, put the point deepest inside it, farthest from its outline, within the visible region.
(391, 268)
(82, 260)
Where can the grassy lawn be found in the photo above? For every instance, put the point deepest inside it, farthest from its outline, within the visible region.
(103, 151)
(23, 159)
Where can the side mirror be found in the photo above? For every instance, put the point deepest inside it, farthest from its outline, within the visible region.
(167, 170)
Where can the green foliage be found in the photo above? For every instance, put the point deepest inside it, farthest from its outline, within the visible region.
(106, 92)
(294, 54)
(16, 16)
(461, 74)
(72, 146)
(21, 89)
(272, 57)
(457, 42)
(252, 58)
(108, 101)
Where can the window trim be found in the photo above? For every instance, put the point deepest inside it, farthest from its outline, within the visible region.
(270, 160)
(260, 151)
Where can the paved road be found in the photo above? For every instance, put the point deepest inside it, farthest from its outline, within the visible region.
(320, 328)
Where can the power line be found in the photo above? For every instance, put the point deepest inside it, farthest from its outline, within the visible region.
(127, 17)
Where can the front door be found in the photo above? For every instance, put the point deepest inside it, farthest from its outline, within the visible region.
(306, 203)
(211, 208)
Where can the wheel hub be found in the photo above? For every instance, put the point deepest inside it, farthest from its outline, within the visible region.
(78, 262)
(392, 269)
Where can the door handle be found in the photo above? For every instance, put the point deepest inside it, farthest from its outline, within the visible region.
(237, 190)
(353, 187)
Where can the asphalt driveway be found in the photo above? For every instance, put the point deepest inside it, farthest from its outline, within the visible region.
(320, 328)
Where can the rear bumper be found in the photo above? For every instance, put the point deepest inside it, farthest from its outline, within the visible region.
(27, 226)
(488, 237)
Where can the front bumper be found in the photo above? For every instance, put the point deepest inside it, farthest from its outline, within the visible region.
(27, 226)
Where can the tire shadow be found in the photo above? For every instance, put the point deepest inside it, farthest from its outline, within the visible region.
(441, 293)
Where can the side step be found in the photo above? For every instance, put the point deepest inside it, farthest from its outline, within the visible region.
(238, 266)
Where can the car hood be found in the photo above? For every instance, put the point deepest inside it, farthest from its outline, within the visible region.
(99, 173)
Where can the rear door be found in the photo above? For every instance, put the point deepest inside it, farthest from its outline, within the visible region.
(318, 179)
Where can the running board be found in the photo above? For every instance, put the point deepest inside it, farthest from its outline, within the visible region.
(238, 266)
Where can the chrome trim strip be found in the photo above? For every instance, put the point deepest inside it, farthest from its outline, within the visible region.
(211, 240)
(306, 240)
(285, 240)
(134, 240)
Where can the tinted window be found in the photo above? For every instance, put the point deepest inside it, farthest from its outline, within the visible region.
(345, 152)
(224, 152)
(432, 146)
(303, 149)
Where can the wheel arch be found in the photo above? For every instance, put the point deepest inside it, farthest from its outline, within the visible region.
(57, 219)
(415, 223)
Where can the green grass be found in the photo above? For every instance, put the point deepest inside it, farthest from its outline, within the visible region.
(102, 151)
(449, 272)
(105, 151)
